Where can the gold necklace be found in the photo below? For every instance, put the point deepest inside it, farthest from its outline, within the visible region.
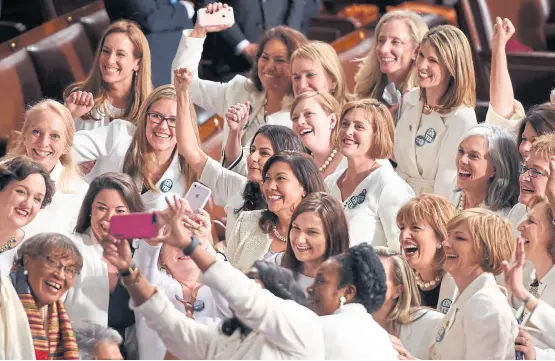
(428, 109)
(8, 245)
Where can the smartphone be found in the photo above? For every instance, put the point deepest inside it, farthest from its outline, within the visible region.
(198, 195)
(391, 95)
(223, 16)
(134, 225)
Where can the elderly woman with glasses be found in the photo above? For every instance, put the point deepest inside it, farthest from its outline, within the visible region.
(44, 269)
(145, 148)
(97, 342)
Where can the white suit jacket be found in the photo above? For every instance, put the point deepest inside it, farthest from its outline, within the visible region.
(417, 335)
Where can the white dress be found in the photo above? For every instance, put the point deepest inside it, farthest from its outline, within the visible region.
(281, 329)
(371, 210)
(350, 333)
(417, 335)
(98, 118)
(61, 214)
(108, 146)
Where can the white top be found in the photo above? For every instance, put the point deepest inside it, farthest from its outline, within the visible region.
(227, 189)
(218, 97)
(417, 335)
(517, 214)
(98, 118)
(350, 333)
(108, 146)
(302, 280)
(61, 214)
(282, 329)
(89, 298)
(7, 257)
(371, 209)
(455, 197)
(479, 325)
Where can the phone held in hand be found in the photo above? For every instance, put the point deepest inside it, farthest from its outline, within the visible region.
(134, 225)
(391, 95)
(198, 195)
(221, 17)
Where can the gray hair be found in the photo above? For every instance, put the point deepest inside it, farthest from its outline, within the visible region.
(90, 334)
(503, 188)
(47, 244)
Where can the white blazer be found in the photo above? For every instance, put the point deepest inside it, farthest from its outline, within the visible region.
(416, 336)
(98, 118)
(479, 325)
(350, 333)
(108, 146)
(281, 329)
(89, 298)
(218, 97)
(371, 209)
(543, 317)
(60, 216)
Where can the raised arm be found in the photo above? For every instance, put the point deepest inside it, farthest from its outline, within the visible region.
(501, 88)
(236, 117)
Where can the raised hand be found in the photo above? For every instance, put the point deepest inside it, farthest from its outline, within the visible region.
(201, 225)
(79, 103)
(503, 30)
(200, 31)
(117, 252)
(513, 274)
(175, 217)
(182, 79)
(237, 116)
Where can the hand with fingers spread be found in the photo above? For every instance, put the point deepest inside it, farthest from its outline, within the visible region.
(524, 343)
(398, 346)
(182, 80)
(237, 116)
(514, 274)
(178, 223)
(79, 103)
(202, 226)
(117, 252)
(200, 31)
(503, 30)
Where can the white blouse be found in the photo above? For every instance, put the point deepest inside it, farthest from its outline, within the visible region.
(417, 335)
(7, 258)
(371, 210)
(99, 118)
(455, 198)
(302, 280)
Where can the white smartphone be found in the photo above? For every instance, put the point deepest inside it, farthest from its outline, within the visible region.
(391, 95)
(198, 195)
(223, 16)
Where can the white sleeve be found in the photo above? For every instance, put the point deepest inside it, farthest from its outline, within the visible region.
(543, 318)
(447, 168)
(234, 240)
(224, 183)
(512, 123)
(283, 322)
(183, 337)
(146, 258)
(92, 144)
(393, 197)
(545, 354)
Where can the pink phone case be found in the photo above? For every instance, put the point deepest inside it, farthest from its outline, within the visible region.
(198, 195)
(134, 225)
(222, 17)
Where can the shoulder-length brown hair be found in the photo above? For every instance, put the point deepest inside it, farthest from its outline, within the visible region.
(140, 162)
(330, 211)
(142, 80)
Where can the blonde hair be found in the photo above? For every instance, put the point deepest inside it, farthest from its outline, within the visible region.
(382, 125)
(139, 160)
(370, 81)
(329, 105)
(408, 302)
(454, 53)
(326, 55)
(70, 170)
(541, 200)
(142, 82)
(544, 146)
(492, 237)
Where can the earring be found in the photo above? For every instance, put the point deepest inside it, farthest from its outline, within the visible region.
(342, 301)
(439, 245)
(25, 272)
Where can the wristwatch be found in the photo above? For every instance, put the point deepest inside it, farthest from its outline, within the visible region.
(191, 247)
(129, 271)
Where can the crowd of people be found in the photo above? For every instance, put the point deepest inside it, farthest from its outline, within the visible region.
(385, 224)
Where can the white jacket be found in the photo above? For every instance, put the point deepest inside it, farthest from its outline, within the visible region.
(281, 329)
(417, 335)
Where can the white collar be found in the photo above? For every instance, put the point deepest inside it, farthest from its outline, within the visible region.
(352, 308)
(57, 172)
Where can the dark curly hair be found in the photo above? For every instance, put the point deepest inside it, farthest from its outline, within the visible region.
(19, 168)
(282, 139)
(362, 268)
(280, 282)
(542, 119)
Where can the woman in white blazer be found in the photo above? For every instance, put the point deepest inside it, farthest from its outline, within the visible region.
(371, 194)
(146, 151)
(401, 315)
(25, 188)
(234, 192)
(268, 322)
(46, 136)
(288, 178)
(487, 170)
(268, 84)
(318, 231)
(346, 290)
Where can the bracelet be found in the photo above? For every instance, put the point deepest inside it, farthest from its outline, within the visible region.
(130, 283)
(129, 271)
(527, 300)
(191, 247)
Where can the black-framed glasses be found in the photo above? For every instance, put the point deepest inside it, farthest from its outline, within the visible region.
(532, 172)
(158, 118)
(69, 271)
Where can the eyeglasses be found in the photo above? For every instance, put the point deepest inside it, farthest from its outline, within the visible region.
(158, 118)
(69, 271)
(532, 172)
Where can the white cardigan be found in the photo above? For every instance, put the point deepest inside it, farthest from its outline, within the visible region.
(281, 329)
(218, 97)
(417, 335)
(479, 325)
(350, 333)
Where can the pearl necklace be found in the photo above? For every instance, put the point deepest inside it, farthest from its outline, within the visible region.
(8, 245)
(426, 285)
(328, 161)
(461, 204)
(279, 236)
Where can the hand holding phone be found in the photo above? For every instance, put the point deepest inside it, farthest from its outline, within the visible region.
(216, 21)
(134, 225)
(198, 195)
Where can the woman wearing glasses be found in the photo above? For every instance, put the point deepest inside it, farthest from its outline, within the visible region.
(145, 150)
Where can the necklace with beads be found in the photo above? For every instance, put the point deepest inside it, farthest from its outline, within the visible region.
(427, 285)
(8, 245)
(428, 109)
(462, 203)
(277, 235)
(328, 161)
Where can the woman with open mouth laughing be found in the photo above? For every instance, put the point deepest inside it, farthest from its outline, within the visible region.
(487, 170)
(25, 188)
(371, 194)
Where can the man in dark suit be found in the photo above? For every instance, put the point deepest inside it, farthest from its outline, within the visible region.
(162, 22)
